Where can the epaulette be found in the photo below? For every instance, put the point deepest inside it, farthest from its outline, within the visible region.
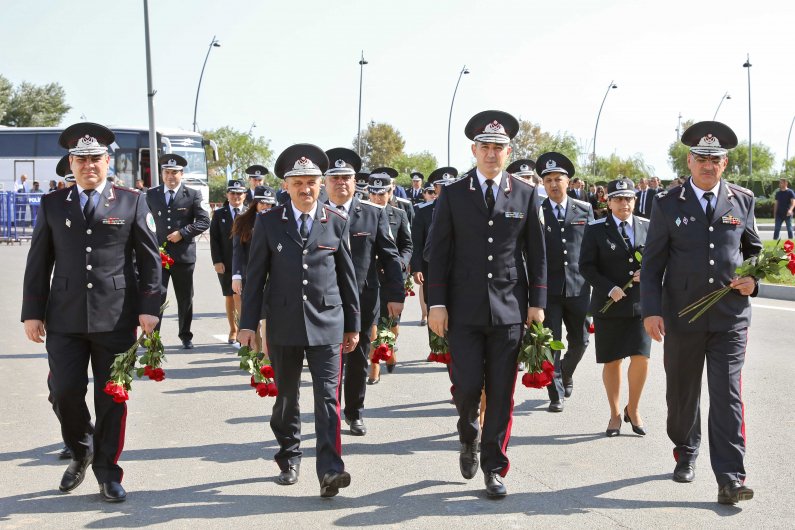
(401, 199)
(662, 194)
(341, 214)
(371, 204)
(640, 219)
(578, 202)
(523, 181)
(125, 188)
(598, 221)
(423, 204)
(736, 187)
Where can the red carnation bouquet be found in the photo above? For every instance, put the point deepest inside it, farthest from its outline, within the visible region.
(768, 262)
(149, 365)
(536, 353)
(384, 344)
(165, 260)
(440, 349)
(408, 286)
(256, 364)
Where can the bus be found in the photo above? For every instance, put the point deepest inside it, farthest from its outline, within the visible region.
(34, 151)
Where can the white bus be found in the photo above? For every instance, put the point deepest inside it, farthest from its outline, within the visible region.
(34, 151)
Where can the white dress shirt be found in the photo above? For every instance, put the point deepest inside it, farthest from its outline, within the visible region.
(700, 195)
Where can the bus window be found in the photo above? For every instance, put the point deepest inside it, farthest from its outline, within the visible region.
(47, 144)
(197, 161)
(18, 146)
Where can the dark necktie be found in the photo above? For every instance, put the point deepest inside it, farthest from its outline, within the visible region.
(341, 208)
(624, 234)
(304, 230)
(490, 196)
(642, 208)
(561, 217)
(170, 197)
(88, 209)
(710, 210)
(237, 211)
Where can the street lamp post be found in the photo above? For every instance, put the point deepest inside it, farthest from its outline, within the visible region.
(464, 70)
(609, 87)
(150, 98)
(725, 96)
(747, 64)
(213, 44)
(362, 62)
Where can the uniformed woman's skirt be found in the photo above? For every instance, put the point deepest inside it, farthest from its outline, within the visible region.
(617, 338)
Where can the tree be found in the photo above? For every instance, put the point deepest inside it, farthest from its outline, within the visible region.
(424, 162)
(6, 89)
(613, 167)
(33, 106)
(381, 144)
(531, 142)
(236, 151)
(763, 160)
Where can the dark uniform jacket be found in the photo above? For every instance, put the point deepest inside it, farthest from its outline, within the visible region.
(239, 256)
(687, 258)
(184, 214)
(221, 236)
(649, 201)
(420, 227)
(103, 275)
(563, 247)
(415, 196)
(400, 228)
(311, 290)
(477, 264)
(606, 262)
(405, 205)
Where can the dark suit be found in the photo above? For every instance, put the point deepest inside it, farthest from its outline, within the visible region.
(583, 196)
(400, 229)
(486, 269)
(420, 228)
(405, 205)
(104, 276)
(221, 249)
(686, 258)
(568, 294)
(644, 202)
(185, 214)
(415, 195)
(368, 227)
(312, 289)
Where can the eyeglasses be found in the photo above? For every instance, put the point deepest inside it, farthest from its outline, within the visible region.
(430, 192)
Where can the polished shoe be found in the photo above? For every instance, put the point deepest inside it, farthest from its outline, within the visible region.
(332, 482)
(289, 476)
(685, 472)
(357, 427)
(75, 473)
(637, 429)
(555, 406)
(494, 486)
(112, 492)
(568, 387)
(65, 454)
(611, 433)
(734, 492)
(187, 345)
(468, 460)
(371, 381)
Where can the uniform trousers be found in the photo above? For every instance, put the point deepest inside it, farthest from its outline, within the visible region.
(356, 362)
(182, 274)
(324, 366)
(485, 355)
(684, 356)
(572, 312)
(69, 355)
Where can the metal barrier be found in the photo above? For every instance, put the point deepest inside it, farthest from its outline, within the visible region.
(18, 212)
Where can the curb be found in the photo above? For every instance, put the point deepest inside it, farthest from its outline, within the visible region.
(777, 292)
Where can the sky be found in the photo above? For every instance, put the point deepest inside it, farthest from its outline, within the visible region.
(291, 68)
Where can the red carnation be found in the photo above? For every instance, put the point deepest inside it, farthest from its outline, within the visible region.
(272, 390)
(527, 379)
(789, 246)
(262, 389)
(117, 392)
(544, 379)
(267, 371)
(382, 353)
(791, 266)
(590, 328)
(548, 368)
(447, 358)
(432, 357)
(155, 374)
(253, 383)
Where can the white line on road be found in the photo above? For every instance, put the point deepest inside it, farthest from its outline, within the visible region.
(761, 306)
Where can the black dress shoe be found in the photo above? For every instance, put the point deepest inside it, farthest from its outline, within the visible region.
(289, 476)
(468, 460)
(357, 427)
(332, 482)
(734, 492)
(75, 473)
(65, 454)
(568, 387)
(494, 486)
(611, 433)
(187, 344)
(685, 471)
(112, 492)
(637, 429)
(555, 406)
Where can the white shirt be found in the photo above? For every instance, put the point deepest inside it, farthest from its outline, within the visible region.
(562, 205)
(483, 186)
(95, 196)
(700, 195)
(628, 229)
(166, 190)
(346, 206)
(297, 216)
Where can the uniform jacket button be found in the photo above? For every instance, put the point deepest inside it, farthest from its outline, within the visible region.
(489, 275)
(90, 285)
(88, 249)
(305, 282)
(88, 267)
(304, 297)
(305, 266)
(88, 231)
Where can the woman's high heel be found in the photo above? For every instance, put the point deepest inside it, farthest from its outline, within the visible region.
(610, 433)
(637, 429)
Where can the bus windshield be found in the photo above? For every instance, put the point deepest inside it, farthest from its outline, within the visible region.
(197, 163)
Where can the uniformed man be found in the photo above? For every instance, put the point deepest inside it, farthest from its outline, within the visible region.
(523, 168)
(487, 278)
(255, 174)
(362, 178)
(180, 219)
(368, 228)
(63, 170)
(565, 219)
(221, 250)
(416, 194)
(395, 200)
(301, 249)
(699, 233)
(92, 277)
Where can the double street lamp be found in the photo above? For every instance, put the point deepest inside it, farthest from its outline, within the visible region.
(725, 96)
(213, 44)
(362, 62)
(464, 71)
(611, 86)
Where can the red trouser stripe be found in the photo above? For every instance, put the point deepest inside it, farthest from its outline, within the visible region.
(122, 431)
(504, 471)
(339, 421)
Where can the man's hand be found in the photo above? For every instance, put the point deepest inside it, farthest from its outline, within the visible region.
(247, 337)
(534, 314)
(219, 268)
(636, 276)
(148, 323)
(744, 285)
(237, 286)
(394, 309)
(349, 341)
(437, 320)
(616, 293)
(655, 327)
(419, 279)
(174, 237)
(34, 329)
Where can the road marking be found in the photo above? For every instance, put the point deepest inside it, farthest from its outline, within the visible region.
(224, 339)
(761, 306)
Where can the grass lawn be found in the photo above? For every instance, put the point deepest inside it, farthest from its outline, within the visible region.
(785, 278)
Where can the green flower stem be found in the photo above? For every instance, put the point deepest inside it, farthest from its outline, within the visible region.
(700, 302)
(723, 292)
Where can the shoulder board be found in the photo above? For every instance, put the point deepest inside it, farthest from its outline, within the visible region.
(663, 193)
(735, 187)
(335, 211)
(598, 221)
(523, 181)
(423, 204)
(371, 204)
(641, 220)
(128, 190)
(401, 199)
(579, 202)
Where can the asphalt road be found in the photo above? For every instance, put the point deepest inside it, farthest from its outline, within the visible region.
(199, 450)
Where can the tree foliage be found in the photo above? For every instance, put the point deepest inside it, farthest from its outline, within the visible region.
(381, 145)
(237, 150)
(30, 105)
(613, 166)
(531, 142)
(424, 162)
(763, 160)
